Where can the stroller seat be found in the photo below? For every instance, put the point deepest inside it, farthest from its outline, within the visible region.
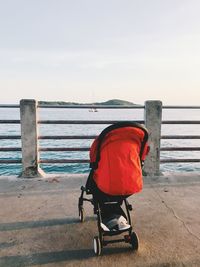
(116, 160)
(115, 223)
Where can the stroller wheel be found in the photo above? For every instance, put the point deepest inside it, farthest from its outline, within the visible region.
(97, 246)
(81, 214)
(134, 241)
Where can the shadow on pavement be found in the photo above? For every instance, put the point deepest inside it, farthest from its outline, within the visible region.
(42, 223)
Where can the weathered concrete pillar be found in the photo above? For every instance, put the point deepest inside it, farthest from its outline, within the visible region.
(29, 133)
(153, 121)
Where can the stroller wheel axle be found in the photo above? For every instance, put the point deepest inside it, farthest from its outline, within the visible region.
(130, 207)
(127, 238)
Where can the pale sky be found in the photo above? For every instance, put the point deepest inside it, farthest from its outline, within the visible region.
(95, 50)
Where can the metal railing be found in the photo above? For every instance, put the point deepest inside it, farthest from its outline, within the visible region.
(87, 137)
(59, 137)
(75, 122)
(180, 137)
(9, 137)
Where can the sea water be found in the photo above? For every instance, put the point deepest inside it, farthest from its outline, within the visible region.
(92, 129)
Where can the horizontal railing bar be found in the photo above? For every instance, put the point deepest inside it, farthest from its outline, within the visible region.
(9, 106)
(94, 136)
(181, 122)
(9, 121)
(82, 122)
(10, 161)
(51, 161)
(179, 160)
(67, 137)
(64, 161)
(180, 107)
(180, 149)
(91, 106)
(64, 149)
(10, 137)
(99, 106)
(180, 137)
(94, 122)
(8, 149)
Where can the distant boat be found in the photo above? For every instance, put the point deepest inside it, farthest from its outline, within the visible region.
(93, 110)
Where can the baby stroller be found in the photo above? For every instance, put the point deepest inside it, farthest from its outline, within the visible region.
(116, 159)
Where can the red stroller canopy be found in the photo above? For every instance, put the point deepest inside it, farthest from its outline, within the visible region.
(116, 156)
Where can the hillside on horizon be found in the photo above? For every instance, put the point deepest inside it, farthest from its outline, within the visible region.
(108, 102)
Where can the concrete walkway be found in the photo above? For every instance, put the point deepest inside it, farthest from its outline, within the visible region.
(39, 224)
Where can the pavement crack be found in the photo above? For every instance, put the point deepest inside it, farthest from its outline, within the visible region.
(175, 215)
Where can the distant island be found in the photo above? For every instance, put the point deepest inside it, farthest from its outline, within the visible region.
(109, 102)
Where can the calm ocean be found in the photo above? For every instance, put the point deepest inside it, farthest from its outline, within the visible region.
(102, 114)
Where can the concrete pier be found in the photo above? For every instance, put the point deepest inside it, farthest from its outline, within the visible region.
(29, 137)
(39, 224)
(153, 121)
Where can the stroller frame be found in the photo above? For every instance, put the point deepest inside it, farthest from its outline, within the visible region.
(130, 236)
(99, 241)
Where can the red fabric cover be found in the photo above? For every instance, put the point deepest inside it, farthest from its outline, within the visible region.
(119, 169)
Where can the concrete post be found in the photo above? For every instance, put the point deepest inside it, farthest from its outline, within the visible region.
(28, 116)
(153, 121)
